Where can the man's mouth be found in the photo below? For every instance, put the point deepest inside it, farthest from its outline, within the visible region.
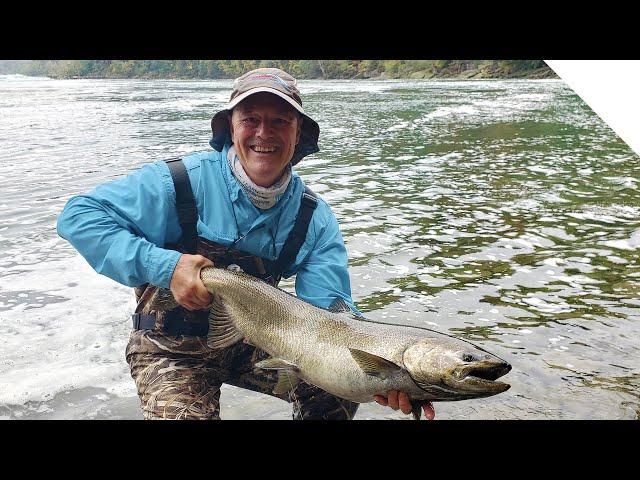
(263, 148)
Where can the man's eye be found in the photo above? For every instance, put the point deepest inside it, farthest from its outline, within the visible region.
(249, 120)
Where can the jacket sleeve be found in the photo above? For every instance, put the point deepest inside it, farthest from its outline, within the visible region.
(120, 227)
(323, 276)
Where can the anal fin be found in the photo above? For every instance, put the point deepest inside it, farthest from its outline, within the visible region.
(287, 381)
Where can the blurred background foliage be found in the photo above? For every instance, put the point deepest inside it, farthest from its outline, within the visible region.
(305, 69)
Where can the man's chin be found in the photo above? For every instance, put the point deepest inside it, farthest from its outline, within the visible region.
(265, 174)
(264, 157)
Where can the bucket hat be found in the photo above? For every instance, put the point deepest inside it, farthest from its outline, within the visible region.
(280, 83)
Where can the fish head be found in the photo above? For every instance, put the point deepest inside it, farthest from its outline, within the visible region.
(454, 369)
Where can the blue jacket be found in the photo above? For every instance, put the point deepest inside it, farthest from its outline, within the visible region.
(120, 227)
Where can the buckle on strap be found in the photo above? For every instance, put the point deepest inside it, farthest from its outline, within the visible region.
(143, 322)
(309, 200)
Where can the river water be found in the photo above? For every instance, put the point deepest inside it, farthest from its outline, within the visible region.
(503, 212)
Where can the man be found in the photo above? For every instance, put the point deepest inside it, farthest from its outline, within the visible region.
(239, 206)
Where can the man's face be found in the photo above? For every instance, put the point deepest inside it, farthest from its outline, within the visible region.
(265, 130)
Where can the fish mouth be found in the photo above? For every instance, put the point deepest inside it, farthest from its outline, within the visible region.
(481, 376)
(472, 380)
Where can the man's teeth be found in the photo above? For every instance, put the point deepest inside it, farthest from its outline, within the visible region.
(261, 149)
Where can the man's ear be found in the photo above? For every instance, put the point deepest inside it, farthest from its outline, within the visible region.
(230, 125)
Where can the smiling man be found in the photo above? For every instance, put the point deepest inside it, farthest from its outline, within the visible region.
(239, 206)
(265, 131)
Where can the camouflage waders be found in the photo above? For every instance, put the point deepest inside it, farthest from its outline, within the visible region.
(179, 376)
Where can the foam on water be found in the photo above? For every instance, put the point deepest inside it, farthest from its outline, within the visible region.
(632, 243)
(73, 342)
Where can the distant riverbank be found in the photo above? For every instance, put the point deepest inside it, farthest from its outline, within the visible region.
(302, 69)
(544, 72)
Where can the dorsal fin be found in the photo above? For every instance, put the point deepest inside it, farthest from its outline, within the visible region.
(339, 306)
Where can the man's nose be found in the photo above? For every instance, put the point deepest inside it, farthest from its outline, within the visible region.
(264, 129)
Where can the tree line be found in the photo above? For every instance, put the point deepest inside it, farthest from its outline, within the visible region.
(304, 69)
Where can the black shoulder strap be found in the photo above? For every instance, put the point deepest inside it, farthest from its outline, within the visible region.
(298, 233)
(185, 204)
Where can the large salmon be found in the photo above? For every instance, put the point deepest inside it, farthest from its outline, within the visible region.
(344, 354)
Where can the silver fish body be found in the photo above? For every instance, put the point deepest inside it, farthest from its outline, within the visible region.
(342, 353)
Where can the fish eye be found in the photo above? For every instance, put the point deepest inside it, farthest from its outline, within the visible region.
(467, 357)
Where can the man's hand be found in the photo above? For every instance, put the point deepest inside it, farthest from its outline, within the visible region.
(401, 400)
(186, 285)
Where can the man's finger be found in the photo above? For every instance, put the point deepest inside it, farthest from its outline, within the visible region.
(392, 398)
(204, 262)
(189, 302)
(188, 305)
(429, 411)
(381, 400)
(405, 403)
(201, 296)
(204, 296)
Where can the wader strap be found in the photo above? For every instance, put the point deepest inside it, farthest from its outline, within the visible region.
(298, 232)
(173, 325)
(143, 322)
(185, 204)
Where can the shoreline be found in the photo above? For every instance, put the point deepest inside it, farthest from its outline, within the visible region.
(301, 69)
(473, 76)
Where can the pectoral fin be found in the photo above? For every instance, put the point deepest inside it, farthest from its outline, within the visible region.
(222, 331)
(287, 373)
(374, 365)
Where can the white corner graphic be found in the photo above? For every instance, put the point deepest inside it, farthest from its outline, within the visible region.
(611, 88)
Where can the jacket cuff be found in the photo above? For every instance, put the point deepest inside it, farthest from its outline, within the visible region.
(161, 265)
